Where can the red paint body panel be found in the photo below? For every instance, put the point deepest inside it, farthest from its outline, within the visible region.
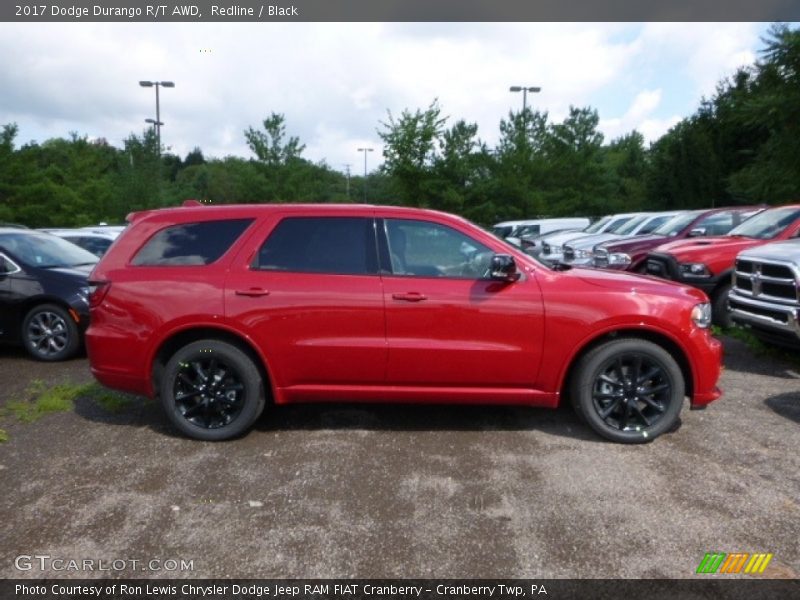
(325, 337)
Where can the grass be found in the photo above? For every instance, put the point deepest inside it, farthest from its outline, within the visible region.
(3, 436)
(758, 347)
(39, 400)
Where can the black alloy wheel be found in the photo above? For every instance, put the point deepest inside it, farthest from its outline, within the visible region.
(212, 390)
(629, 390)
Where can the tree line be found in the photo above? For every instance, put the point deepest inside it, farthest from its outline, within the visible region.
(741, 146)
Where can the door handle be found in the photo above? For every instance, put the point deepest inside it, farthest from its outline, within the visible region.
(253, 292)
(410, 297)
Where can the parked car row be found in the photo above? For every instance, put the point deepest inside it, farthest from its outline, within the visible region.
(697, 248)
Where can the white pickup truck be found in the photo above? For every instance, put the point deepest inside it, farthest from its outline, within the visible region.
(765, 293)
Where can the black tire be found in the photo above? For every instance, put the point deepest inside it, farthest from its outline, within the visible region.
(720, 315)
(211, 390)
(50, 334)
(602, 394)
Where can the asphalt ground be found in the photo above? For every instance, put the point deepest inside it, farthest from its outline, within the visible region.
(401, 491)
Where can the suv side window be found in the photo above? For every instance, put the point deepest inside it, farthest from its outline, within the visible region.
(333, 245)
(425, 249)
(191, 243)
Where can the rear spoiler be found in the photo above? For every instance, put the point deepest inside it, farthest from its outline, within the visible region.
(135, 216)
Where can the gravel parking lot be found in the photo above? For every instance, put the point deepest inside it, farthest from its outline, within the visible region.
(389, 491)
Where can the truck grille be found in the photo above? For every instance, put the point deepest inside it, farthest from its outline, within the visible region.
(601, 258)
(569, 253)
(657, 267)
(766, 281)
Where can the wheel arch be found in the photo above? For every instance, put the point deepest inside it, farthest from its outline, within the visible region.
(178, 339)
(658, 338)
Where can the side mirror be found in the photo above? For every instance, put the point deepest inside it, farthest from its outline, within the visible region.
(504, 268)
(697, 232)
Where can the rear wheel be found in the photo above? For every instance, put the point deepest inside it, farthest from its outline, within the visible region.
(628, 390)
(50, 333)
(212, 390)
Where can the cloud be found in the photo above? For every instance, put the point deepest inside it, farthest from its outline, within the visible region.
(335, 82)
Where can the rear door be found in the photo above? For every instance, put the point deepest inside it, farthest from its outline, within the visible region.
(309, 294)
(448, 325)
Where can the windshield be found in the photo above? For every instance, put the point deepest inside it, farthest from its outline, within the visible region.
(597, 225)
(617, 223)
(628, 227)
(676, 224)
(45, 251)
(768, 224)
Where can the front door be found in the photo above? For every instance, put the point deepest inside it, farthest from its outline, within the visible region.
(448, 324)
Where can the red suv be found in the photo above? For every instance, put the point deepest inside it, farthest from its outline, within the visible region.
(707, 263)
(219, 310)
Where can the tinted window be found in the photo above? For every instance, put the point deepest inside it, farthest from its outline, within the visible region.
(191, 243)
(336, 245)
(95, 245)
(431, 250)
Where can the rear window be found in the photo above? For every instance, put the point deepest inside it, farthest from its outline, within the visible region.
(191, 243)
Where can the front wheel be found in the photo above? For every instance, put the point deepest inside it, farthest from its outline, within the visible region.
(628, 390)
(211, 390)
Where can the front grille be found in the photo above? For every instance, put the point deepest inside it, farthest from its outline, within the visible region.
(763, 280)
(601, 258)
(569, 253)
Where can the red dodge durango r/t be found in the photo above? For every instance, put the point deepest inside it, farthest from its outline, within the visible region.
(218, 311)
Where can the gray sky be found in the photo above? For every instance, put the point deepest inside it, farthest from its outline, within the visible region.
(335, 81)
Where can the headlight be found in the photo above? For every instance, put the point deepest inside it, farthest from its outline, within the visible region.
(619, 258)
(701, 315)
(583, 253)
(84, 293)
(695, 270)
(554, 249)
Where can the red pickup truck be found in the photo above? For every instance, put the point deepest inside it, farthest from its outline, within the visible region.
(707, 263)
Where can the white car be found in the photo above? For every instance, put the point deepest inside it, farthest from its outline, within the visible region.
(552, 246)
(512, 231)
(95, 239)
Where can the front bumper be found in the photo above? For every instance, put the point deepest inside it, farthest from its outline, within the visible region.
(779, 319)
(667, 267)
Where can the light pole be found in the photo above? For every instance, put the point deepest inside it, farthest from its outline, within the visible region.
(524, 90)
(157, 123)
(347, 167)
(365, 150)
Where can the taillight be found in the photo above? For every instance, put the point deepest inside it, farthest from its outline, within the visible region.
(97, 292)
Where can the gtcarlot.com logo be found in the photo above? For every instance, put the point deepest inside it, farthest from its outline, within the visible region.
(737, 562)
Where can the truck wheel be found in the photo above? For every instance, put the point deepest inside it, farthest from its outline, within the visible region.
(628, 390)
(720, 315)
(211, 390)
(50, 334)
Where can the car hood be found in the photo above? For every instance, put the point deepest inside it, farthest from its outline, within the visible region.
(687, 250)
(636, 244)
(628, 282)
(590, 241)
(559, 239)
(786, 250)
